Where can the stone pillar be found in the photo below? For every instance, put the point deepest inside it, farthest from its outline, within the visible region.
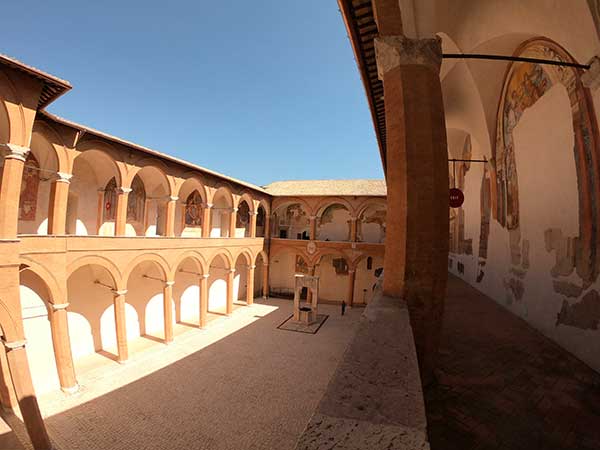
(203, 300)
(10, 189)
(265, 280)
(253, 224)
(312, 221)
(30, 411)
(353, 229)
(121, 326)
(100, 213)
(232, 220)
(7, 393)
(59, 198)
(311, 272)
(267, 226)
(121, 213)
(416, 250)
(62, 347)
(170, 225)
(250, 285)
(168, 310)
(230, 277)
(206, 218)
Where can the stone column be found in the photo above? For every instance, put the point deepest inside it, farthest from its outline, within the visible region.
(351, 282)
(59, 198)
(353, 229)
(265, 280)
(59, 325)
(30, 411)
(10, 189)
(7, 393)
(121, 213)
(121, 326)
(100, 210)
(312, 221)
(206, 217)
(250, 285)
(230, 277)
(203, 310)
(311, 272)
(416, 251)
(253, 224)
(170, 224)
(232, 220)
(267, 226)
(168, 310)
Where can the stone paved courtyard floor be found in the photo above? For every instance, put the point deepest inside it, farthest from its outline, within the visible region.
(239, 384)
(503, 385)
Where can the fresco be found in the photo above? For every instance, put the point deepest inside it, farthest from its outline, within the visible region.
(136, 201)
(193, 210)
(576, 258)
(458, 171)
(110, 200)
(29, 189)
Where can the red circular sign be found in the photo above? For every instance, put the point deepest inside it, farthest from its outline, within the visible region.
(457, 198)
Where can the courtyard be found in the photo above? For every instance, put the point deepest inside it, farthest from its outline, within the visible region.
(240, 383)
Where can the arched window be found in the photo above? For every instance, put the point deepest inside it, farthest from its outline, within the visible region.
(29, 188)
(136, 201)
(110, 200)
(193, 210)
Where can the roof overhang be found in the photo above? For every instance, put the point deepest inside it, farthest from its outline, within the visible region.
(53, 87)
(362, 29)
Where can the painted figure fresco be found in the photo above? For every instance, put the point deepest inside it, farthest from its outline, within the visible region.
(110, 200)
(29, 189)
(524, 85)
(193, 210)
(136, 201)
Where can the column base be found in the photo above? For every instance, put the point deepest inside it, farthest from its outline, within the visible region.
(124, 361)
(70, 390)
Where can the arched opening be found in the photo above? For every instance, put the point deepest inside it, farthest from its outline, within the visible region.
(240, 278)
(145, 292)
(261, 221)
(242, 220)
(35, 298)
(217, 285)
(334, 223)
(291, 221)
(221, 213)
(92, 199)
(186, 292)
(91, 315)
(40, 169)
(189, 215)
(333, 271)
(283, 267)
(146, 210)
(371, 224)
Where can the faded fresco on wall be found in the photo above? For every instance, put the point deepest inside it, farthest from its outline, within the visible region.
(193, 210)
(29, 189)
(524, 85)
(110, 200)
(136, 201)
(371, 224)
(301, 265)
(458, 170)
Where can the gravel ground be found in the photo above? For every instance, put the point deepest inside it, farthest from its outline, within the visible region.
(240, 384)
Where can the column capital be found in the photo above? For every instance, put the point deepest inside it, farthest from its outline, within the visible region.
(121, 292)
(16, 151)
(59, 306)
(207, 205)
(351, 270)
(232, 270)
(206, 275)
(169, 283)
(123, 190)
(62, 177)
(266, 264)
(312, 217)
(252, 213)
(173, 198)
(394, 51)
(234, 210)
(252, 267)
(353, 218)
(14, 345)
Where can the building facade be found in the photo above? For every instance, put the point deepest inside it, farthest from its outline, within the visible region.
(105, 242)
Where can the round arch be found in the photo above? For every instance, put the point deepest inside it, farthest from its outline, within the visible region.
(94, 260)
(196, 258)
(159, 261)
(248, 199)
(14, 112)
(331, 201)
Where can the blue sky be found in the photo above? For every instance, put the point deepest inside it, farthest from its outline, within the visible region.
(260, 90)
